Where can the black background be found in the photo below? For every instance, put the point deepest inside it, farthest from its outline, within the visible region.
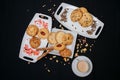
(18, 14)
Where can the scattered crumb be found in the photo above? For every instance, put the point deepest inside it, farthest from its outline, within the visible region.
(90, 49)
(57, 61)
(44, 5)
(49, 10)
(45, 65)
(76, 54)
(65, 59)
(77, 50)
(78, 44)
(28, 62)
(48, 70)
(54, 56)
(77, 47)
(86, 45)
(50, 58)
(83, 50)
(54, 5)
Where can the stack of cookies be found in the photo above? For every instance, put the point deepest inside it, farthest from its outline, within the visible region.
(82, 16)
(60, 40)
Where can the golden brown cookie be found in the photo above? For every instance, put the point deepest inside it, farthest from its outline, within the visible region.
(83, 9)
(51, 38)
(59, 36)
(86, 20)
(34, 42)
(76, 15)
(59, 46)
(32, 30)
(68, 39)
(43, 33)
(65, 53)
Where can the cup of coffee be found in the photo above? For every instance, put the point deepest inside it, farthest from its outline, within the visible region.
(82, 66)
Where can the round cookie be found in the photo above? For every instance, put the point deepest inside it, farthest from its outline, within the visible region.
(76, 15)
(34, 42)
(65, 53)
(59, 47)
(43, 33)
(86, 20)
(83, 9)
(59, 36)
(68, 39)
(32, 30)
(51, 38)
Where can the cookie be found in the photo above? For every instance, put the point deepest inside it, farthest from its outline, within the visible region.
(86, 20)
(32, 30)
(68, 39)
(60, 36)
(43, 33)
(34, 42)
(83, 10)
(76, 15)
(59, 46)
(51, 38)
(65, 53)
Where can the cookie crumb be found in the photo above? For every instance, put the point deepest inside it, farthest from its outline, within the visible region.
(48, 70)
(44, 5)
(65, 59)
(50, 58)
(54, 56)
(57, 61)
(76, 54)
(86, 45)
(45, 65)
(83, 50)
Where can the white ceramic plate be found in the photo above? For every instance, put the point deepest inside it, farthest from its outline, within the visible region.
(71, 47)
(25, 46)
(76, 71)
(75, 26)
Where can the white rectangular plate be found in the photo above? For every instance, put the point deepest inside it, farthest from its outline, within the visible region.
(25, 46)
(71, 47)
(75, 26)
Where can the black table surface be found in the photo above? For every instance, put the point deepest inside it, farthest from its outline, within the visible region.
(103, 55)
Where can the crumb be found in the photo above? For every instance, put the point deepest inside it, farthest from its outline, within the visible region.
(90, 32)
(90, 49)
(64, 64)
(77, 47)
(60, 25)
(28, 62)
(44, 5)
(48, 70)
(68, 59)
(54, 5)
(78, 44)
(50, 58)
(77, 50)
(76, 54)
(54, 56)
(83, 50)
(57, 61)
(86, 45)
(45, 65)
(49, 10)
(65, 59)
(68, 62)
